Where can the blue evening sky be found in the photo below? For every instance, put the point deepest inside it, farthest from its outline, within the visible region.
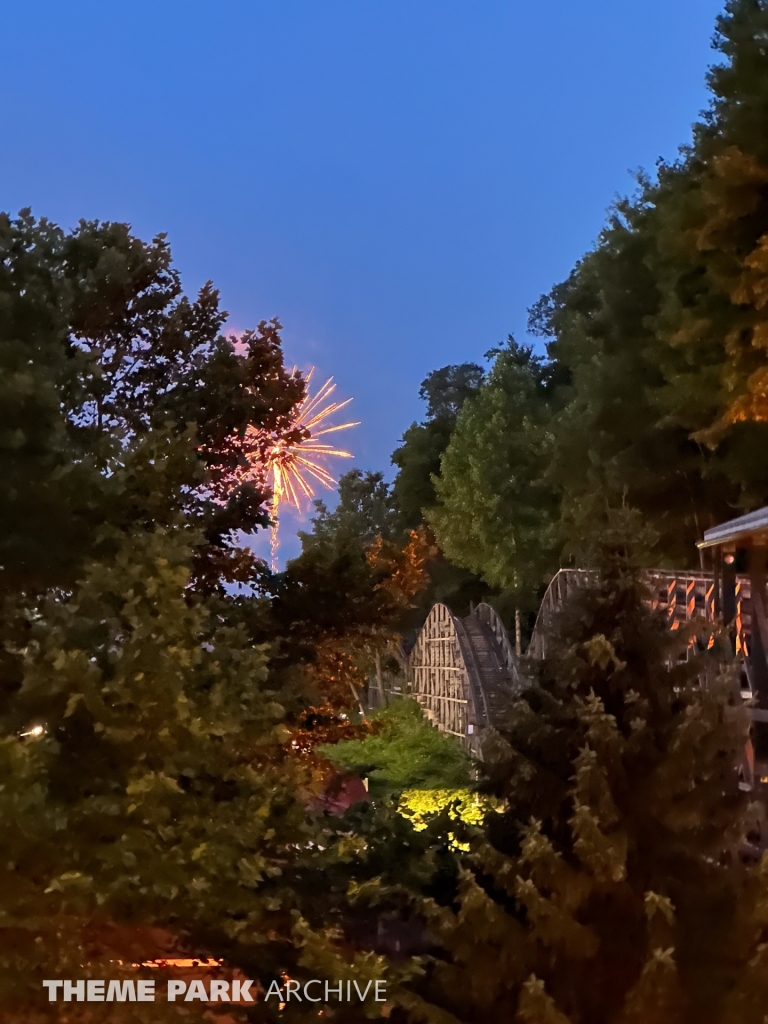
(397, 180)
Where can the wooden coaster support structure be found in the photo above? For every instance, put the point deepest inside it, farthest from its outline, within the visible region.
(465, 672)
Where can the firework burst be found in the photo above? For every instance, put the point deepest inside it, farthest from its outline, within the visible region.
(291, 464)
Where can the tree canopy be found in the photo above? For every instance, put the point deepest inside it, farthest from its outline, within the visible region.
(151, 772)
(404, 752)
(418, 458)
(99, 350)
(495, 512)
(365, 511)
(607, 889)
(655, 361)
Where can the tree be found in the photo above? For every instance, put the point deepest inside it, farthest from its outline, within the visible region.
(656, 336)
(160, 791)
(495, 514)
(418, 458)
(337, 606)
(405, 752)
(413, 492)
(122, 404)
(154, 719)
(606, 891)
(365, 511)
(98, 348)
(344, 600)
(656, 372)
(446, 390)
(146, 772)
(713, 244)
(49, 479)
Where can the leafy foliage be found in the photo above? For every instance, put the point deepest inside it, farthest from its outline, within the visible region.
(365, 511)
(99, 348)
(495, 514)
(467, 805)
(418, 458)
(656, 371)
(606, 890)
(153, 791)
(418, 464)
(406, 752)
(147, 778)
(446, 390)
(336, 606)
(46, 473)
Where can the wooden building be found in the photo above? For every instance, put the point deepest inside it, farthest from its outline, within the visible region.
(739, 553)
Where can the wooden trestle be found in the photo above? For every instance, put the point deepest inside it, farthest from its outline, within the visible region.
(464, 671)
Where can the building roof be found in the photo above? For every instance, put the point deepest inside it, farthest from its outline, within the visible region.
(753, 526)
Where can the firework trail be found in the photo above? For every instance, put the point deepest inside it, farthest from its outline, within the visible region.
(292, 469)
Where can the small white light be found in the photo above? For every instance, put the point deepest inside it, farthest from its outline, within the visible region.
(36, 730)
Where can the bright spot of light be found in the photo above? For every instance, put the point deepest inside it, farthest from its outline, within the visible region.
(36, 730)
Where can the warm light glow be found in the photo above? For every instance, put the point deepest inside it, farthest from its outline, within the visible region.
(184, 962)
(292, 468)
(36, 730)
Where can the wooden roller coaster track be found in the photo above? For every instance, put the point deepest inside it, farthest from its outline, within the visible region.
(464, 671)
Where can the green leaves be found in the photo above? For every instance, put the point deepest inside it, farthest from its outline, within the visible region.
(494, 510)
(405, 752)
(603, 891)
(120, 401)
(653, 396)
(152, 784)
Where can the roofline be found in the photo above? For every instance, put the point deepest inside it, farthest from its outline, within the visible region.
(725, 538)
(748, 525)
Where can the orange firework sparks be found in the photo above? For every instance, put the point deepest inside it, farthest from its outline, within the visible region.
(292, 468)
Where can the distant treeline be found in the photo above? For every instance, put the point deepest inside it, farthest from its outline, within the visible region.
(652, 388)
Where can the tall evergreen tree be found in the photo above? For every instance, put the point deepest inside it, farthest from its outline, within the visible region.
(607, 891)
(657, 369)
(418, 458)
(657, 333)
